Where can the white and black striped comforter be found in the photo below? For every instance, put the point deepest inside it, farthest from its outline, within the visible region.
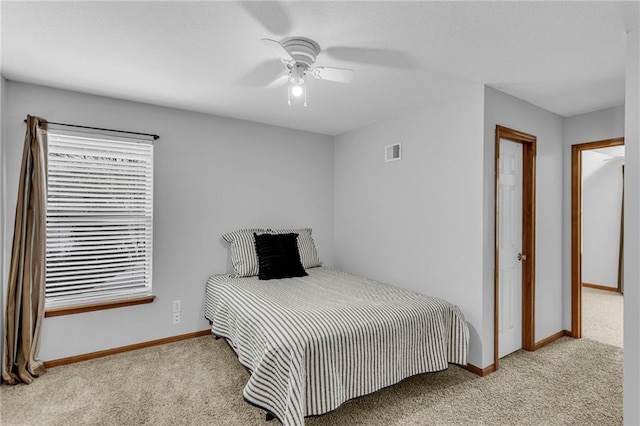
(315, 342)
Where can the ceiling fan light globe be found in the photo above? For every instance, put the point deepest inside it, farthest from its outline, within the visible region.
(297, 91)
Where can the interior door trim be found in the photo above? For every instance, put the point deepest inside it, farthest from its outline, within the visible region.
(528, 237)
(576, 228)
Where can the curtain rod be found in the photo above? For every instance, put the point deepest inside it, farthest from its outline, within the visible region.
(155, 137)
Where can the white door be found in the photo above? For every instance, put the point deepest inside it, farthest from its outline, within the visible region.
(509, 247)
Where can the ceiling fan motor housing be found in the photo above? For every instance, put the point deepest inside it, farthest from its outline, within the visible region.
(302, 50)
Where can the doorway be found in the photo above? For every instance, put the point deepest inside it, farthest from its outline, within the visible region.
(514, 232)
(577, 240)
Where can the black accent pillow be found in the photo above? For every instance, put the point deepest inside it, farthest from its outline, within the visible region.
(278, 256)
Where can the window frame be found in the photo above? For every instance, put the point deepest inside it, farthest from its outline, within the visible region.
(135, 290)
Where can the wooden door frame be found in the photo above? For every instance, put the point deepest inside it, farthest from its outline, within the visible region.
(576, 228)
(528, 237)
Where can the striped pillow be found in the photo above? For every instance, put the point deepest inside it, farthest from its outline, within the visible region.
(306, 246)
(244, 259)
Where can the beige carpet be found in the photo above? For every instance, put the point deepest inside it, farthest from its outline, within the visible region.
(199, 382)
(602, 318)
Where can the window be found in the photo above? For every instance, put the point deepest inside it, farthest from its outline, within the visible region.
(99, 218)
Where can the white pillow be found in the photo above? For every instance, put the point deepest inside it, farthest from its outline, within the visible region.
(244, 259)
(306, 246)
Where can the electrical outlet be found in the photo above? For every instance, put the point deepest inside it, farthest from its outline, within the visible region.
(177, 306)
(176, 317)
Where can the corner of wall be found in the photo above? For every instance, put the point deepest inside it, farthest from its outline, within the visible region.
(488, 233)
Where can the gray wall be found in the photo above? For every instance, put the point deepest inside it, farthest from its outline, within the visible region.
(631, 389)
(425, 222)
(211, 175)
(519, 115)
(417, 223)
(594, 126)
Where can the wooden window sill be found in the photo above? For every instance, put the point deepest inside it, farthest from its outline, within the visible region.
(70, 310)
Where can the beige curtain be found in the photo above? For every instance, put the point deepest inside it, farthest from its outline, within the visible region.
(25, 295)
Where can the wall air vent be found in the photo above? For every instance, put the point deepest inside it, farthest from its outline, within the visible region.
(392, 152)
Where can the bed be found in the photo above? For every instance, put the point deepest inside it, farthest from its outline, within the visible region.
(312, 343)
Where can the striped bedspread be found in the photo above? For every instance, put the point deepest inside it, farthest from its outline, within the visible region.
(314, 342)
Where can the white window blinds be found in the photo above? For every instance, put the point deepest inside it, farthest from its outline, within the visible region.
(99, 218)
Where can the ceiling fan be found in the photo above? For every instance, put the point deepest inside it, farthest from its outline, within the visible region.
(298, 54)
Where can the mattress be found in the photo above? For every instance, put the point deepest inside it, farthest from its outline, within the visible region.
(315, 342)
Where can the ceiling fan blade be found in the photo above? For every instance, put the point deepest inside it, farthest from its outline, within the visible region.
(271, 15)
(278, 49)
(280, 81)
(341, 75)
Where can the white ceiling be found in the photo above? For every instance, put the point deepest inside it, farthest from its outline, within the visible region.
(567, 57)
